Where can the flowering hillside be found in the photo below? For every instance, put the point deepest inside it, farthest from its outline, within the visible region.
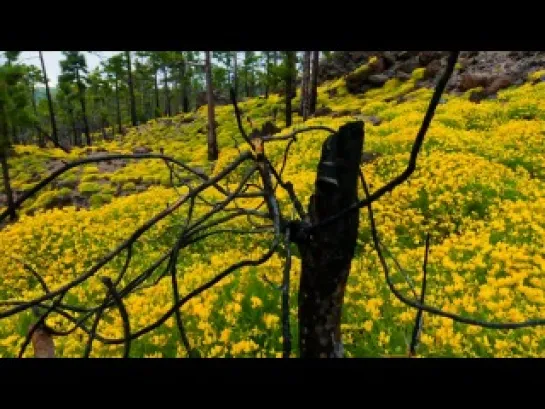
(479, 190)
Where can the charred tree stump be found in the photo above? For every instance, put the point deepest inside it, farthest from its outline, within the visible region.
(327, 254)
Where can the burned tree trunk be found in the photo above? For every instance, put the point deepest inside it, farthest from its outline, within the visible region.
(314, 82)
(305, 86)
(327, 253)
(4, 148)
(134, 119)
(289, 80)
(54, 133)
(212, 141)
(7, 184)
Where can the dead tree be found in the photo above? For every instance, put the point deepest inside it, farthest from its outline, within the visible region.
(327, 255)
(314, 82)
(305, 87)
(212, 142)
(326, 237)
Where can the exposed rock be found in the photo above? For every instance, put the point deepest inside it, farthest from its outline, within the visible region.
(376, 121)
(322, 111)
(408, 66)
(141, 150)
(389, 59)
(345, 112)
(403, 76)
(432, 69)
(378, 80)
(368, 157)
(503, 81)
(378, 66)
(473, 80)
(356, 80)
(426, 57)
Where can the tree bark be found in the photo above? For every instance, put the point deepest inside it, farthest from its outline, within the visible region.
(4, 147)
(235, 76)
(83, 112)
(212, 142)
(7, 184)
(74, 129)
(134, 120)
(54, 133)
(305, 86)
(290, 62)
(327, 254)
(267, 73)
(246, 84)
(185, 99)
(314, 82)
(39, 136)
(117, 105)
(157, 106)
(167, 93)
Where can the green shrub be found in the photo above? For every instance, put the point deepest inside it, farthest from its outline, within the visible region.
(108, 189)
(90, 177)
(90, 169)
(65, 191)
(89, 187)
(129, 186)
(69, 181)
(99, 199)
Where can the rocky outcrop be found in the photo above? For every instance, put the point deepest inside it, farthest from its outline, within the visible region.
(489, 70)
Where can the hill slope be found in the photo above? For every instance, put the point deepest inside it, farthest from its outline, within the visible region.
(479, 191)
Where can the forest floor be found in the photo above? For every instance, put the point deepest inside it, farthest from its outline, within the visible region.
(479, 191)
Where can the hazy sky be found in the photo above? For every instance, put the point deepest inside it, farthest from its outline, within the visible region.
(52, 61)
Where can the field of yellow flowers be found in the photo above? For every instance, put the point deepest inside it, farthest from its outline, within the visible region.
(479, 191)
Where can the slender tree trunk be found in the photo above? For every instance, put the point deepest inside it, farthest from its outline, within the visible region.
(54, 134)
(14, 138)
(167, 93)
(185, 99)
(325, 258)
(305, 86)
(134, 120)
(118, 106)
(314, 82)
(157, 107)
(74, 129)
(212, 142)
(174, 99)
(7, 184)
(4, 148)
(83, 111)
(142, 100)
(102, 120)
(246, 85)
(235, 73)
(39, 136)
(267, 73)
(290, 61)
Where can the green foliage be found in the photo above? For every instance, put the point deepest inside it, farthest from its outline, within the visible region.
(65, 191)
(129, 186)
(99, 199)
(90, 177)
(89, 187)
